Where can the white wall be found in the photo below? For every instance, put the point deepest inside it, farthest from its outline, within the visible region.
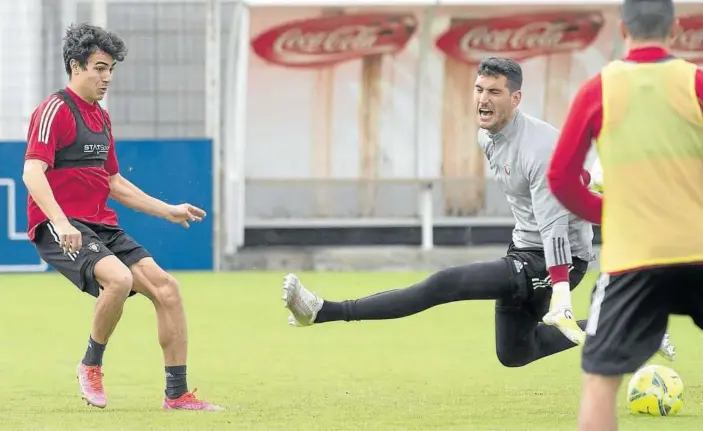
(21, 65)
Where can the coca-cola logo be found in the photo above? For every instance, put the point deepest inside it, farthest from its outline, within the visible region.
(322, 42)
(521, 37)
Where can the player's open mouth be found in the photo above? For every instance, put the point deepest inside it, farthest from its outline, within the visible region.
(485, 114)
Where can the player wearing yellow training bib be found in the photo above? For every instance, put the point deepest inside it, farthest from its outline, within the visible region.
(644, 112)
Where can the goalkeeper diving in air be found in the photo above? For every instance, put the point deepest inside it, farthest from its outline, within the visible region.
(548, 256)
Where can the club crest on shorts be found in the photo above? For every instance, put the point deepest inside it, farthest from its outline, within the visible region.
(507, 170)
(94, 247)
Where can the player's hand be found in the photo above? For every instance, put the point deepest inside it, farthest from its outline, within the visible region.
(183, 214)
(70, 238)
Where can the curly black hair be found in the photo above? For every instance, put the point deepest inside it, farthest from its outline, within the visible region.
(82, 40)
(501, 66)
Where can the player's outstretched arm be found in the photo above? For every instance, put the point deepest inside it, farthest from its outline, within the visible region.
(125, 192)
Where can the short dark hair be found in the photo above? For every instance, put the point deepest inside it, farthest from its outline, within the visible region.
(82, 40)
(502, 66)
(648, 19)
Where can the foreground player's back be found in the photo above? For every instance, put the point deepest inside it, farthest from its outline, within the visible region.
(651, 151)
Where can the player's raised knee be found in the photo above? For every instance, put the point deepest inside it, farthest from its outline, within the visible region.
(119, 283)
(156, 284)
(114, 276)
(168, 293)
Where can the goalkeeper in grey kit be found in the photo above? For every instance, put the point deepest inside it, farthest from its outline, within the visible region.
(548, 256)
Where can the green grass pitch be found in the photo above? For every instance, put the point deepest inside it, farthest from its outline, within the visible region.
(433, 371)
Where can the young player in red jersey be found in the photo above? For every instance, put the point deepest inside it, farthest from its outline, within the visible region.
(70, 172)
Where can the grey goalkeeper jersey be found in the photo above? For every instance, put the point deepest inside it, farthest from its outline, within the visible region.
(519, 156)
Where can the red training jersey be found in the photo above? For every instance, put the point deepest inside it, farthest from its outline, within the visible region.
(582, 125)
(81, 192)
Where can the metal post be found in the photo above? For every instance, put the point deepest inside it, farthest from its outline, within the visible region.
(241, 117)
(235, 149)
(213, 95)
(425, 198)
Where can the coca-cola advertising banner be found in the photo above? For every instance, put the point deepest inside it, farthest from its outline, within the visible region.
(343, 92)
(320, 42)
(328, 40)
(521, 37)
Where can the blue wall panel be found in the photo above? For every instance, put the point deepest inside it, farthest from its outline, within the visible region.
(172, 170)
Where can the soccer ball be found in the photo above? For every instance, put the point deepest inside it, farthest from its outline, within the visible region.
(655, 390)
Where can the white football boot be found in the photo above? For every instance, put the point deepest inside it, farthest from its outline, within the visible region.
(666, 349)
(303, 304)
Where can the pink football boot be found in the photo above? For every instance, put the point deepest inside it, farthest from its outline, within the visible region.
(90, 379)
(188, 401)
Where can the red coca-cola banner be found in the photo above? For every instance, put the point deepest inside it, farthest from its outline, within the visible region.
(320, 42)
(521, 37)
(324, 41)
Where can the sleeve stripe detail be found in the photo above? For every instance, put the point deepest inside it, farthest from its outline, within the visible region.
(47, 119)
(559, 250)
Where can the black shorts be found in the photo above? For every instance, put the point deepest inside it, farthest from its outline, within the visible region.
(98, 241)
(532, 283)
(630, 312)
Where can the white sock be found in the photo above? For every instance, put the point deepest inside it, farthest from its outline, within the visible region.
(561, 295)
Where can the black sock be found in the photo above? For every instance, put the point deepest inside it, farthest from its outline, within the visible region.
(391, 304)
(94, 353)
(176, 384)
(330, 312)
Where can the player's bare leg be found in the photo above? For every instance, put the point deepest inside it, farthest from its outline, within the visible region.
(598, 403)
(164, 292)
(116, 282)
